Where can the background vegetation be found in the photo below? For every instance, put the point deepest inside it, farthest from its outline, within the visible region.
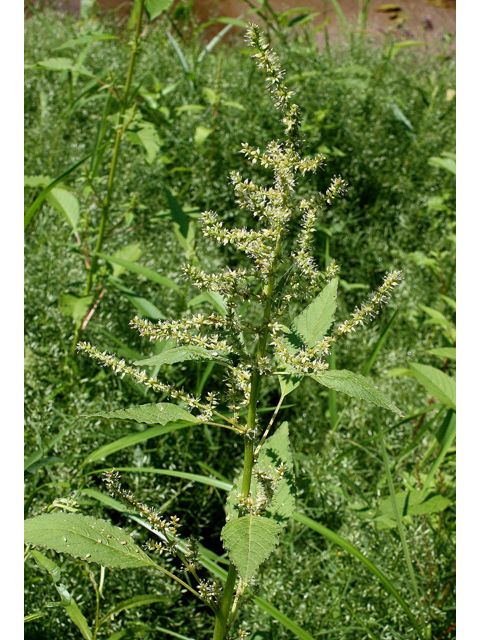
(384, 116)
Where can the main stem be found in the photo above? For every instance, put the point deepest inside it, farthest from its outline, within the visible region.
(222, 617)
(116, 152)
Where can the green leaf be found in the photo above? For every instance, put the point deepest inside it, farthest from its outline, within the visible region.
(67, 601)
(356, 386)
(193, 477)
(161, 413)
(289, 383)
(201, 134)
(438, 318)
(154, 8)
(129, 253)
(399, 115)
(444, 163)
(151, 275)
(86, 39)
(134, 603)
(449, 353)
(436, 382)
(74, 306)
(41, 197)
(86, 538)
(66, 203)
(314, 321)
(133, 439)
(78, 619)
(51, 567)
(412, 503)
(349, 548)
(144, 307)
(250, 540)
(183, 228)
(180, 354)
(404, 44)
(148, 138)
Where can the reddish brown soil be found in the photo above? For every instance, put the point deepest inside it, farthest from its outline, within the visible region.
(416, 19)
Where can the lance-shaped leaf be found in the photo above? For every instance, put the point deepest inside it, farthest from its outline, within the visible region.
(250, 541)
(436, 382)
(180, 354)
(355, 386)
(86, 538)
(161, 413)
(315, 320)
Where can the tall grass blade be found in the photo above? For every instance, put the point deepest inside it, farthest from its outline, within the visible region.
(336, 539)
(213, 42)
(182, 59)
(133, 439)
(383, 336)
(398, 519)
(450, 432)
(341, 16)
(193, 477)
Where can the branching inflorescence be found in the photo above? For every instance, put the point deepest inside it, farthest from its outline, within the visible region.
(273, 281)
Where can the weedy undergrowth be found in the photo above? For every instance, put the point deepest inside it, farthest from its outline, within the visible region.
(251, 340)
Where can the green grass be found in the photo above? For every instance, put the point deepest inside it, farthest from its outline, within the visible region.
(378, 123)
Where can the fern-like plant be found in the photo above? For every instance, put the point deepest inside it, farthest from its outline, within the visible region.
(251, 341)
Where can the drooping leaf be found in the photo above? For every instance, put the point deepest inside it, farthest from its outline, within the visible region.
(201, 134)
(444, 163)
(66, 204)
(314, 321)
(130, 253)
(355, 386)
(33, 208)
(436, 382)
(180, 354)
(411, 503)
(74, 306)
(444, 353)
(85, 39)
(148, 138)
(161, 413)
(87, 538)
(133, 439)
(250, 540)
(143, 271)
(289, 383)
(181, 222)
(155, 7)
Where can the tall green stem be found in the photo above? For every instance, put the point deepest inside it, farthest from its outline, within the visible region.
(116, 152)
(222, 617)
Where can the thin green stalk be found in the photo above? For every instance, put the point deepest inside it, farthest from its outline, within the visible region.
(249, 458)
(116, 152)
(398, 518)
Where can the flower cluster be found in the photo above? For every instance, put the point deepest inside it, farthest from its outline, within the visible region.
(166, 529)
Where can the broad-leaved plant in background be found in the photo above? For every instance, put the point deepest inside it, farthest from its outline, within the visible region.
(251, 340)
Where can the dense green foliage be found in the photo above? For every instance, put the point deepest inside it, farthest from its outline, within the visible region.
(379, 120)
